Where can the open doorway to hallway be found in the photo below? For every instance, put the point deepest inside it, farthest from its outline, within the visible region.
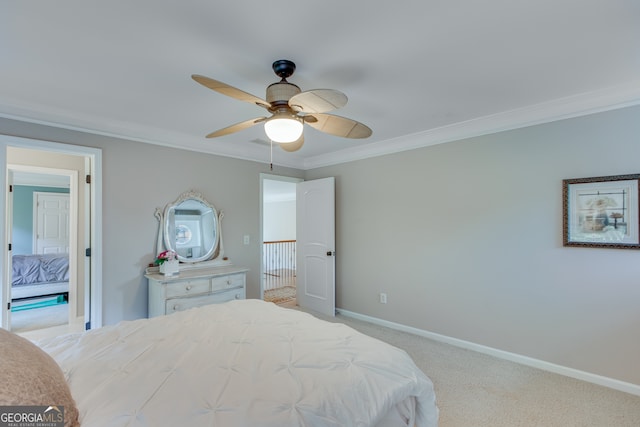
(279, 239)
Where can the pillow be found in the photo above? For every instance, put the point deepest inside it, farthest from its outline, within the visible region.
(30, 377)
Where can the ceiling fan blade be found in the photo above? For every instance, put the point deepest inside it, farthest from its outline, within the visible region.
(318, 101)
(293, 146)
(339, 126)
(231, 91)
(237, 127)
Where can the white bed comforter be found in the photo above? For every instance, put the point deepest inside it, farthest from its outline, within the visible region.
(243, 363)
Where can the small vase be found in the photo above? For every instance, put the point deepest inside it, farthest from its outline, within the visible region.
(169, 268)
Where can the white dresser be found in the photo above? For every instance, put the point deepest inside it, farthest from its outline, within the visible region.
(194, 287)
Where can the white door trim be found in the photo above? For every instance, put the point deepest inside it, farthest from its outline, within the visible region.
(6, 277)
(94, 157)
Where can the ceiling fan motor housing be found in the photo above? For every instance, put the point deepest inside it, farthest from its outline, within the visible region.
(280, 93)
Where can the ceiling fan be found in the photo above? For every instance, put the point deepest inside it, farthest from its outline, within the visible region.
(290, 109)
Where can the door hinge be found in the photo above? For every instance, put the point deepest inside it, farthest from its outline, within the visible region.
(11, 189)
(87, 326)
(87, 252)
(9, 246)
(9, 306)
(88, 179)
(331, 253)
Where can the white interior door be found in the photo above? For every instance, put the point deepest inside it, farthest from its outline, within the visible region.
(52, 223)
(315, 233)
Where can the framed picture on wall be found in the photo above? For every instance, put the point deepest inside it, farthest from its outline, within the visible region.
(601, 212)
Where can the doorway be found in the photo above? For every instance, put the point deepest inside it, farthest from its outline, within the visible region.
(87, 162)
(312, 219)
(43, 288)
(278, 225)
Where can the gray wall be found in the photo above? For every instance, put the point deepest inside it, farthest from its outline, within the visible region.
(279, 220)
(466, 239)
(139, 177)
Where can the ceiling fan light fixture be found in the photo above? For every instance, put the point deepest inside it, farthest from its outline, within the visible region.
(283, 128)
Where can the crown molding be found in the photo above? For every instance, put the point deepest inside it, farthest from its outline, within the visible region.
(68, 120)
(563, 108)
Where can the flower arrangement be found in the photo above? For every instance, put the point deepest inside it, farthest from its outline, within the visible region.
(165, 256)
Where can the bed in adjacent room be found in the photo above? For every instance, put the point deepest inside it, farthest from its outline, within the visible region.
(241, 363)
(39, 275)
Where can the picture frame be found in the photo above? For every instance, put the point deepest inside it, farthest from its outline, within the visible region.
(601, 212)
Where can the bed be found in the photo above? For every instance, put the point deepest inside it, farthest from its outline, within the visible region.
(39, 275)
(241, 363)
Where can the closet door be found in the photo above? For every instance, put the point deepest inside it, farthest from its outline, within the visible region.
(51, 223)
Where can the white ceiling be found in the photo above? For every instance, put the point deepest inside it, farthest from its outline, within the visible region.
(40, 179)
(417, 72)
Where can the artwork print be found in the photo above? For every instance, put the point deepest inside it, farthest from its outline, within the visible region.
(601, 212)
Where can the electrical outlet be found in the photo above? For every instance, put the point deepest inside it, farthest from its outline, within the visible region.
(383, 298)
(247, 240)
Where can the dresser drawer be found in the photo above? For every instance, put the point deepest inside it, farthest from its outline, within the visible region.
(230, 295)
(187, 287)
(226, 282)
(180, 304)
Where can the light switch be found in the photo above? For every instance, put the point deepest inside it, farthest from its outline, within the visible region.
(247, 240)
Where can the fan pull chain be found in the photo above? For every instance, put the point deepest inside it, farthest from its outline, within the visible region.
(271, 154)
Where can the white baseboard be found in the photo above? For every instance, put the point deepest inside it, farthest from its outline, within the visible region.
(517, 358)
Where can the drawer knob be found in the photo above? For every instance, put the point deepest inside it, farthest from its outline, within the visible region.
(228, 282)
(237, 296)
(175, 307)
(188, 287)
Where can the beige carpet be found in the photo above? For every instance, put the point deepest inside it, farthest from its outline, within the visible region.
(477, 390)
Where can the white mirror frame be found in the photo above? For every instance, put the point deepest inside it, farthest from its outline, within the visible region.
(213, 257)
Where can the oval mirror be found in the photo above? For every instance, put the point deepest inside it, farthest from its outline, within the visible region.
(191, 228)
